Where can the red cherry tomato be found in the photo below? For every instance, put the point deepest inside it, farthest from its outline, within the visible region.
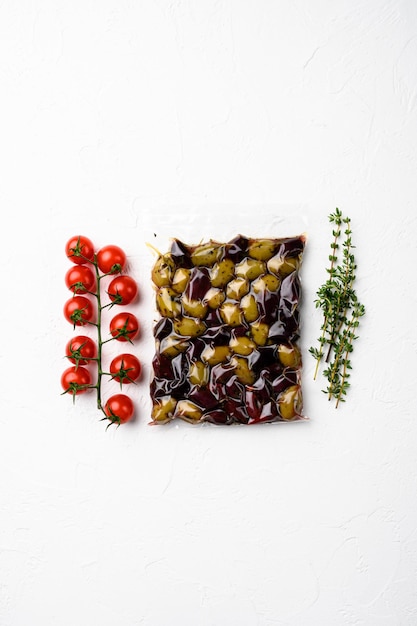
(79, 279)
(111, 259)
(79, 249)
(119, 409)
(78, 310)
(122, 290)
(124, 326)
(125, 368)
(80, 350)
(75, 380)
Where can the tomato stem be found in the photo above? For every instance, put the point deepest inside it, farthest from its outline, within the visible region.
(107, 340)
(99, 339)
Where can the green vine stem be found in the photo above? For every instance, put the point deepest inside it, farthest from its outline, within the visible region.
(99, 337)
(98, 324)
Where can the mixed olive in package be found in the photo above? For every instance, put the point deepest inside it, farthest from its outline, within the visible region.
(226, 341)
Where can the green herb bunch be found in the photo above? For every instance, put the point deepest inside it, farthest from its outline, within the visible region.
(341, 311)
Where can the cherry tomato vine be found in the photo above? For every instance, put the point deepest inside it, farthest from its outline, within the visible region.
(85, 307)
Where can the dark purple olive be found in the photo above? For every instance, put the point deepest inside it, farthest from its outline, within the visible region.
(217, 335)
(253, 405)
(180, 254)
(179, 367)
(291, 325)
(217, 416)
(279, 331)
(288, 378)
(234, 388)
(268, 304)
(237, 410)
(219, 376)
(198, 284)
(236, 249)
(160, 387)
(239, 331)
(268, 413)
(163, 328)
(214, 319)
(253, 359)
(162, 366)
(256, 396)
(290, 293)
(203, 397)
(195, 349)
(291, 246)
(272, 372)
(263, 357)
(178, 389)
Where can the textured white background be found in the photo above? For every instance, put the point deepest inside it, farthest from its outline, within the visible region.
(123, 120)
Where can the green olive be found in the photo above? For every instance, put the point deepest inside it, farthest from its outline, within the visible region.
(289, 402)
(162, 270)
(188, 411)
(195, 308)
(198, 373)
(250, 268)
(163, 409)
(237, 288)
(267, 282)
(259, 332)
(215, 354)
(249, 308)
(289, 355)
(242, 345)
(222, 273)
(262, 249)
(189, 326)
(231, 313)
(206, 254)
(180, 279)
(172, 345)
(242, 370)
(166, 303)
(214, 298)
(282, 266)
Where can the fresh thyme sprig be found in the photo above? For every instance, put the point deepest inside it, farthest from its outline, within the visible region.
(341, 311)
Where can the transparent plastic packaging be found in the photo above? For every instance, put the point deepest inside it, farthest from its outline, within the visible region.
(226, 342)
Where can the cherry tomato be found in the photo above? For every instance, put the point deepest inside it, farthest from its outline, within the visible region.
(79, 249)
(78, 310)
(111, 259)
(79, 279)
(75, 380)
(119, 409)
(124, 326)
(80, 350)
(122, 290)
(125, 368)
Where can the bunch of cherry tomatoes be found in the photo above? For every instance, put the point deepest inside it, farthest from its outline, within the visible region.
(84, 308)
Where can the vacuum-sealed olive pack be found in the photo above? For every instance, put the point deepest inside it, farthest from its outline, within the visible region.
(226, 341)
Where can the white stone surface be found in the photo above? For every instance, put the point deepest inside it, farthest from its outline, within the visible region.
(203, 118)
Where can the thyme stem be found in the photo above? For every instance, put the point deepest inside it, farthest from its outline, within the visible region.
(341, 311)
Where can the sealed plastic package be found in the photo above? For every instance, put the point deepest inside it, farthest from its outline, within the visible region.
(226, 341)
